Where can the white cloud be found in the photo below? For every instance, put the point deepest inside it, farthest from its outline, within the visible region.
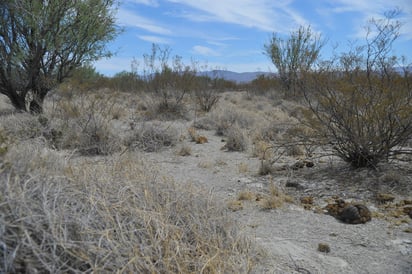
(127, 18)
(267, 15)
(375, 9)
(202, 50)
(152, 3)
(154, 39)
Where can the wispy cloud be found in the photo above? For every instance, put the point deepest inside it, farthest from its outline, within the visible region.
(153, 3)
(127, 18)
(267, 15)
(154, 39)
(206, 51)
(375, 10)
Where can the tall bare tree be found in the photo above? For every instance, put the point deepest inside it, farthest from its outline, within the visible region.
(43, 41)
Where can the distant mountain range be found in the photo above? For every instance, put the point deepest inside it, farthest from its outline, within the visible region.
(238, 77)
(245, 77)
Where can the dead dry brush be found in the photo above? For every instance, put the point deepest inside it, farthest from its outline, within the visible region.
(113, 215)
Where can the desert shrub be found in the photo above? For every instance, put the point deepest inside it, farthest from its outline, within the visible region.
(169, 81)
(114, 218)
(264, 85)
(126, 82)
(83, 124)
(184, 150)
(228, 118)
(152, 137)
(293, 56)
(22, 126)
(236, 139)
(361, 103)
(206, 92)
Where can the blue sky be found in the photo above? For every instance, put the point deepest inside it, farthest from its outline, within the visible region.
(230, 34)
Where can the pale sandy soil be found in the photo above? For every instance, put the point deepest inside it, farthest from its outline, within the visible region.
(290, 234)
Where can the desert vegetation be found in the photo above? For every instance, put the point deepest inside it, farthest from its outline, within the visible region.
(95, 170)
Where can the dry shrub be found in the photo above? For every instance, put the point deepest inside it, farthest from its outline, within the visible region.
(229, 118)
(184, 150)
(266, 167)
(167, 111)
(235, 140)
(34, 155)
(82, 123)
(151, 137)
(275, 199)
(262, 150)
(246, 195)
(294, 150)
(195, 137)
(22, 126)
(360, 100)
(221, 120)
(113, 217)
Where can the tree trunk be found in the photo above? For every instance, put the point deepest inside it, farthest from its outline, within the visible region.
(18, 101)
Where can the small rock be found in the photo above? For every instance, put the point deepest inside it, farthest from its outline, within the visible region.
(309, 163)
(385, 197)
(322, 247)
(294, 184)
(355, 214)
(298, 165)
(350, 213)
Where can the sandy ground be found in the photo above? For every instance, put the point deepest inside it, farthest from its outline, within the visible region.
(290, 235)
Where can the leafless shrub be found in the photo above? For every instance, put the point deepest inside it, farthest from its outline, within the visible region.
(360, 103)
(206, 91)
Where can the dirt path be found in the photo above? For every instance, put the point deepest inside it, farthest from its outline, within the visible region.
(290, 235)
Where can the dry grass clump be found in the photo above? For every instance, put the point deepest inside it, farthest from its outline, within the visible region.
(275, 199)
(235, 140)
(222, 119)
(246, 195)
(152, 137)
(22, 126)
(113, 216)
(184, 150)
(166, 110)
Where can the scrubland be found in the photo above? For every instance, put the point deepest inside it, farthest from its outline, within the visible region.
(110, 181)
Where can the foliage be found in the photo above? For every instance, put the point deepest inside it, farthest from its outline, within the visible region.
(360, 102)
(42, 42)
(126, 82)
(294, 55)
(84, 78)
(206, 92)
(171, 80)
(263, 84)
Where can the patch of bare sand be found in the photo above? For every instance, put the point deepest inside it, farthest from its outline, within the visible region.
(290, 235)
